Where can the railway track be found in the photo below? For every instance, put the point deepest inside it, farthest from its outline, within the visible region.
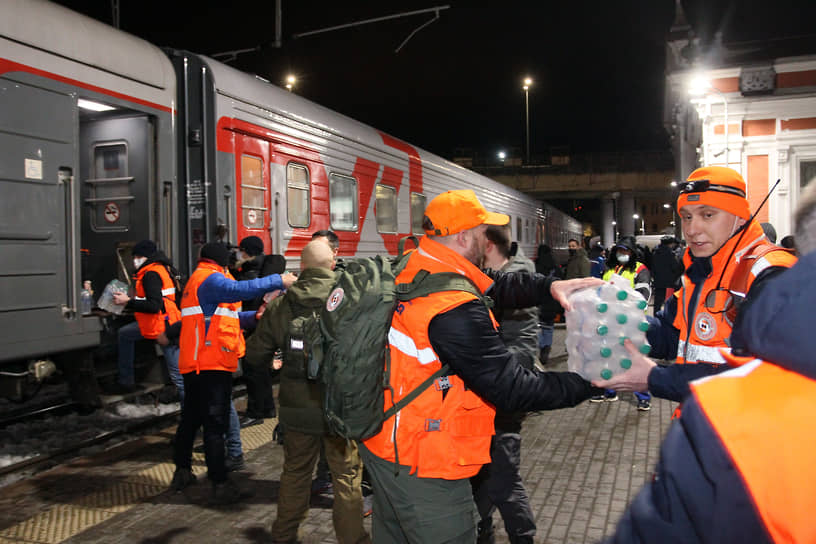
(63, 443)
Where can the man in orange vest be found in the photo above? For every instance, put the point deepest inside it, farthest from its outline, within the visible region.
(154, 307)
(421, 462)
(734, 467)
(727, 261)
(210, 344)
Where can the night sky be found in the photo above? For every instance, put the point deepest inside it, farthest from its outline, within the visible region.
(598, 66)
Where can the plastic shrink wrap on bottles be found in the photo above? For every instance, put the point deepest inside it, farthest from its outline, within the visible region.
(600, 320)
(105, 301)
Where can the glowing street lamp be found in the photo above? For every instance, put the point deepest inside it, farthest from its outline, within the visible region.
(642, 223)
(290, 82)
(528, 82)
(502, 155)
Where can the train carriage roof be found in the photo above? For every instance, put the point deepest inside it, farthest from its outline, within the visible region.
(53, 28)
(319, 122)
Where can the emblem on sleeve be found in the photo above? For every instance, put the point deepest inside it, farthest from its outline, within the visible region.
(335, 298)
(705, 326)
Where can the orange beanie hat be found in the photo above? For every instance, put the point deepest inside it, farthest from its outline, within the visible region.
(718, 187)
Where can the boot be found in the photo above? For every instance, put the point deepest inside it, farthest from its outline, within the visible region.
(544, 354)
(182, 478)
(227, 492)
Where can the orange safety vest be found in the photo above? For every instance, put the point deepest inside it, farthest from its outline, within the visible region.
(763, 415)
(217, 347)
(152, 325)
(445, 432)
(701, 340)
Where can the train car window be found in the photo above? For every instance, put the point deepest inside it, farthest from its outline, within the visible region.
(518, 229)
(386, 209)
(110, 188)
(253, 192)
(297, 195)
(343, 201)
(527, 230)
(417, 212)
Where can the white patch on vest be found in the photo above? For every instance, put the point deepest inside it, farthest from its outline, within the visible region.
(335, 298)
(705, 326)
(295, 344)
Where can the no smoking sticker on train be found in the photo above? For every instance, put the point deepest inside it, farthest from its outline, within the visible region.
(111, 212)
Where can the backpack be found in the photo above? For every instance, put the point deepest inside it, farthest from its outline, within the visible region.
(349, 352)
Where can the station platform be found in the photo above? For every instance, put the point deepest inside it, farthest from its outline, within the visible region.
(581, 466)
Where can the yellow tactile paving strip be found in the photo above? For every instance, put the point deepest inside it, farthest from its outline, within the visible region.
(61, 522)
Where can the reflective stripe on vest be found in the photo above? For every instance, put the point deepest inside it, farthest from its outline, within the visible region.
(444, 432)
(763, 415)
(696, 353)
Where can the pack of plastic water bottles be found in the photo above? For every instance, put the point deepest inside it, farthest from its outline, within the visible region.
(600, 320)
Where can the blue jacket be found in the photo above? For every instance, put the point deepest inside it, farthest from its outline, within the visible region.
(697, 494)
(217, 288)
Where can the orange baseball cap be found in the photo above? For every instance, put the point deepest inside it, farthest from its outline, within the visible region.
(455, 211)
(718, 187)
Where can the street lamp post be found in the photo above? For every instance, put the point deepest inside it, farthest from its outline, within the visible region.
(642, 223)
(699, 86)
(528, 82)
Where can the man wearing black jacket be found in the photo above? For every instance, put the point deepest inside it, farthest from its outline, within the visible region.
(155, 296)
(442, 437)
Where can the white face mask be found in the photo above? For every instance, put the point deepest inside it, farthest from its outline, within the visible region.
(138, 261)
(623, 258)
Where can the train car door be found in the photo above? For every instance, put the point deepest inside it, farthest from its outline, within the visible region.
(117, 172)
(39, 276)
(253, 199)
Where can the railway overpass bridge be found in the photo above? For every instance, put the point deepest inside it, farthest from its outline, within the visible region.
(610, 187)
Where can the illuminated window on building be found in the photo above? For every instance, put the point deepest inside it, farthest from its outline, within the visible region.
(807, 173)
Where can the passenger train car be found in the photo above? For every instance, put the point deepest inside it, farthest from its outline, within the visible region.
(106, 139)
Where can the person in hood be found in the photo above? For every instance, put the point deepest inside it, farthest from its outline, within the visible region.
(727, 255)
(154, 305)
(578, 265)
(623, 261)
(301, 409)
(733, 468)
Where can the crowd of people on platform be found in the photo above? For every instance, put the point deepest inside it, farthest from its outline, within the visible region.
(729, 306)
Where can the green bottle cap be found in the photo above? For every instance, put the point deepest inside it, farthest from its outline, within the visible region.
(621, 318)
(643, 326)
(642, 304)
(622, 295)
(606, 352)
(602, 307)
(626, 363)
(645, 349)
(622, 339)
(602, 330)
(606, 373)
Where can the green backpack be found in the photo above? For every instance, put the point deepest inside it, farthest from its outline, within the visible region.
(349, 354)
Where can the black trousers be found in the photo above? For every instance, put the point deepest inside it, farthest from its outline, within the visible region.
(207, 401)
(260, 399)
(499, 485)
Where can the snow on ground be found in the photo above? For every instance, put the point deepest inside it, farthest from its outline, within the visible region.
(47, 436)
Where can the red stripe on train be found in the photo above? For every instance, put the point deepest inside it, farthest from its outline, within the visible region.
(9, 66)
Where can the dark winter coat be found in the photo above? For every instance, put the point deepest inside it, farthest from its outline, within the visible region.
(578, 265)
(666, 268)
(464, 338)
(698, 494)
(300, 400)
